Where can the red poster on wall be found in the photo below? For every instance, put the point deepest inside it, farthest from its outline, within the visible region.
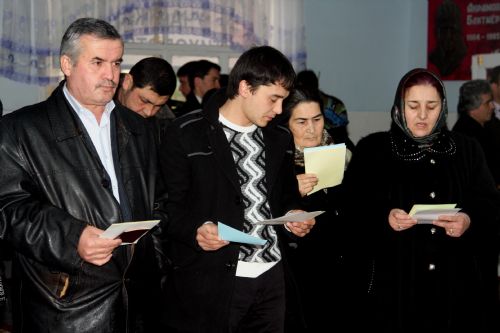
(459, 29)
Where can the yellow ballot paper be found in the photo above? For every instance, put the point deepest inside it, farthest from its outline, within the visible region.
(327, 162)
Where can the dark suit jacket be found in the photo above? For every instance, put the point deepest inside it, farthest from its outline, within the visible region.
(202, 186)
(488, 137)
(191, 104)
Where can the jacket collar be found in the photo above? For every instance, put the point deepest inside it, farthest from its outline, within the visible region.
(277, 141)
(65, 125)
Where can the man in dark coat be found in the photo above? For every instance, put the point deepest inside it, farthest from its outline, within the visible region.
(146, 89)
(224, 165)
(71, 166)
(203, 76)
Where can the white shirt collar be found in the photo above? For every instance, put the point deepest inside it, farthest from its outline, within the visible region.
(237, 128)
(84, 112)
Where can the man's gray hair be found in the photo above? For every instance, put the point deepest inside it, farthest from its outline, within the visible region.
(470, 97)
(70, 43)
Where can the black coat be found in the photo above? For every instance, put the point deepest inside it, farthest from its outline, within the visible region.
(202, 185)
(488, 137)
(51, 187)
(423, 280)
(191, 104)
(321, 266)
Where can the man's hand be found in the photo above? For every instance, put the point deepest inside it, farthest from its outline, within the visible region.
(300, 228)
(208, 237)
(96, 250)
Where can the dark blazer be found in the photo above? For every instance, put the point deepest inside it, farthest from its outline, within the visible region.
(191, 104)
(52, 186)
(488, 137)
(202, 185)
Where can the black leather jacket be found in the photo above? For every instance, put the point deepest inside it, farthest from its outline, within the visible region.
(51, 187)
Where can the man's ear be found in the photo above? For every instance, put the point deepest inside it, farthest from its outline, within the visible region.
(128, 82)
(66, 65)
(196, 82)
(244, 89)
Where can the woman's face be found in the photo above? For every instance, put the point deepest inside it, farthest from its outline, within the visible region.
(306, 123)
(422, 108)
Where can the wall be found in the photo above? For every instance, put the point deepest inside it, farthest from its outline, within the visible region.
(15, 95)
(361, 49)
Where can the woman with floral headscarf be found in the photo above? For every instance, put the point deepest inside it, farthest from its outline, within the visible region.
(423, 277)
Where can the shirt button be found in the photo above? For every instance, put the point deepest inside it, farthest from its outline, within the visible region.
(432, 161)
(432, 267)
(432, 195)
(433, 231)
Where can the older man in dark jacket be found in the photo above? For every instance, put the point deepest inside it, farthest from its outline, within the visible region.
(71, 166)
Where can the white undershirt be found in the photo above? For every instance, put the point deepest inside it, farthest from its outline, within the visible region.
(100, 134)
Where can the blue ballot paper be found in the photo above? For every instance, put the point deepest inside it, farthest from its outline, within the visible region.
(233, 235)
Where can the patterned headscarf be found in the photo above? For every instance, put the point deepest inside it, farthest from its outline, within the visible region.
(405, 144)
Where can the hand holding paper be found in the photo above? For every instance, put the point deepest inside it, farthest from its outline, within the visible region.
(425, 214)
(293, 217)
(234, 235)
(327, 162)
(299, 222)
(129, 232)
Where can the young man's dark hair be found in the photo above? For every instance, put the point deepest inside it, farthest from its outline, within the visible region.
(308, 80)
(183, 74)
(156, 73)
(200, 69)
(186, 69)
(262, 65)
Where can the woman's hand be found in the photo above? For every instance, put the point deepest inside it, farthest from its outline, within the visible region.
(307, 181)
(455, 225)
(399, 220)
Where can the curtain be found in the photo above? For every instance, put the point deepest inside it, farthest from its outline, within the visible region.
(31, 30)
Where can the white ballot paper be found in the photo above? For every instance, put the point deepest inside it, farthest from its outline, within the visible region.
(293, 217)
(129, 232)
(425, 214)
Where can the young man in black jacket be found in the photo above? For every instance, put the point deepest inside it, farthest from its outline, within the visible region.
(224, 164)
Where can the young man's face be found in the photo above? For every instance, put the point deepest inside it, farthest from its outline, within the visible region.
(144, 101)
(184, 87)
(263, 104)
(92, 79)
(209, 81)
